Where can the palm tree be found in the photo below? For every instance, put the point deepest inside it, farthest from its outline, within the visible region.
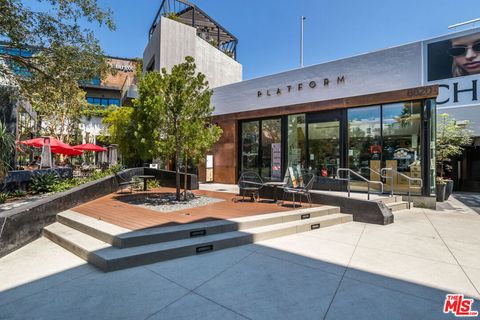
(7, 145)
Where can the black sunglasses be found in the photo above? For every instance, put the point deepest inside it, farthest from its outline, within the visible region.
(462, 51)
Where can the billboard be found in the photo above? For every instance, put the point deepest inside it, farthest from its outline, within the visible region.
(453, 62)
(455, 57)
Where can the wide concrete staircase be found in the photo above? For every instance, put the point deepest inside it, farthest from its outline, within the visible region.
(110, 247)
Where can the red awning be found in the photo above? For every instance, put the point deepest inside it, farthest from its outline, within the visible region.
(90, 147)
(56, 146)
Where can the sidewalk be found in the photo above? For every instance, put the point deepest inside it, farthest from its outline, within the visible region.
(349, 271)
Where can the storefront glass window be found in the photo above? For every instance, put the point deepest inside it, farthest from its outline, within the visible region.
(364, 141)
(296, 140)
(324, 148)
(250, 145)
(433, 138)
(271, 149)
(402, 141)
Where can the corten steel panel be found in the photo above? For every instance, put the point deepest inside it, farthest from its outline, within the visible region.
(225, 175)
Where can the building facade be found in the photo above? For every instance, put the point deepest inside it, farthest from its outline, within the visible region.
(365, 113)
(182, 29)
(116, 89)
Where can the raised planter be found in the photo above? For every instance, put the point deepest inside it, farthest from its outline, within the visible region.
(25, 224)
(20, 179)
(441, 190)
(448, 189)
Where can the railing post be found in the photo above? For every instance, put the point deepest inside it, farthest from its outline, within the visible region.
(348, 187)
(409, 192)
(368, 197)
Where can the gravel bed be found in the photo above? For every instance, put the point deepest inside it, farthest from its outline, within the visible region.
(165, 202)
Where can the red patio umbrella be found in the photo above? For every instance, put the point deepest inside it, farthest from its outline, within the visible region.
(90, 147)
(56, 146)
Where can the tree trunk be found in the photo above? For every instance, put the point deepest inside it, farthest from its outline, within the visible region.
(185, 178)
(177, 169)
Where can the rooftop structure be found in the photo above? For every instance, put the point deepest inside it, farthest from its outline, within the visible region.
(207, 28)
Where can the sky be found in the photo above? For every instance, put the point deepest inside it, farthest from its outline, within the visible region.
(269, 30)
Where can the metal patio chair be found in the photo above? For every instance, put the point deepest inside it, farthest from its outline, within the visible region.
(303, 190)
(250, 184)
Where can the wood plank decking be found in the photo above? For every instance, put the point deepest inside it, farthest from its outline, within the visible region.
(111, 209)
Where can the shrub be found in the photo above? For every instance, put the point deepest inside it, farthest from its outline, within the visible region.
(67, 184)
(3, 197)
(44, 182)
(18, 193)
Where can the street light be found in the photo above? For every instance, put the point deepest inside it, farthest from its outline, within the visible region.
(302, 19)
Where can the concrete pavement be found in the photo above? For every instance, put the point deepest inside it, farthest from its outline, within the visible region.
(349, 271)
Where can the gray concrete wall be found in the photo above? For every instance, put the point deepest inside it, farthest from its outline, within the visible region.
(385, 70)
(172, 41)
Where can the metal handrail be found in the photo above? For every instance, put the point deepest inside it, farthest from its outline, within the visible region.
(410, 180)
(371, 171)
(349, 179)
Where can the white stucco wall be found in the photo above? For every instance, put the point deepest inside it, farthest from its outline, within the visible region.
(172, 41)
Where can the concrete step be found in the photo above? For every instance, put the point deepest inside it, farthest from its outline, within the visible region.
(125, 238)
(110, 258)
(387, 199)
(397, 206)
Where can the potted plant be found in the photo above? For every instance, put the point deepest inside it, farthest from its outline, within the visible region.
(452, 137)
(448, 188)
(441, 187)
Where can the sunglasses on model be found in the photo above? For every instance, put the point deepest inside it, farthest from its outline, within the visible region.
(462, 50)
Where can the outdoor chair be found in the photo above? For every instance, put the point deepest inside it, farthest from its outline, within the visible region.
(302, 190)
(250, 184)
(123, 183)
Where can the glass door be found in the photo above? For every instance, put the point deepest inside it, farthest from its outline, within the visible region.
(324, 152)
(250, 145)
(261, 148)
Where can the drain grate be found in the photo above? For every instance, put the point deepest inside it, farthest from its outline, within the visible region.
(305, 216)
(315, 226)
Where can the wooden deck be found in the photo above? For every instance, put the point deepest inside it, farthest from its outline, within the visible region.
(112, 209)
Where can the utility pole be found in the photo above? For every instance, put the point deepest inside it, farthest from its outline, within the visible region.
(302, 19)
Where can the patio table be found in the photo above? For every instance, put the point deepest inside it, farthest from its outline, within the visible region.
(145, 178)
(275, 185)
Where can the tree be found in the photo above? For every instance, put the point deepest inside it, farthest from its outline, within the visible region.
(55, 27)
(172, 116)
(55, 93)
(58, 56)
(451, 140)
(7, 145)
(121, 129)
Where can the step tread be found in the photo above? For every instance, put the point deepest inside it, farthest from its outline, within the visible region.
(98, 224)
(78, 238)
(329, 217)
(287, 213)
(396, 203)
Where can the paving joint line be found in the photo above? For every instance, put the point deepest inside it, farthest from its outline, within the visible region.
(196, 293)
(50, 287)
(453, 255)
(300, 264)
(343, 275)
